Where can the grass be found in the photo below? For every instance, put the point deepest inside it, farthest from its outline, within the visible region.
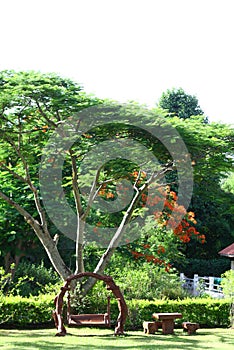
(87, 338)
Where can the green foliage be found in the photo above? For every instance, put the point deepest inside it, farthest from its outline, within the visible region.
(203, 267)
(5, 279)
(30, 280)
(34, 311)
(18, 311)
(227, 284)
(136, 281)
(228, 183)
(147, 281)
(32, 105)
(206, 312)
(180, 104)
(211, 148)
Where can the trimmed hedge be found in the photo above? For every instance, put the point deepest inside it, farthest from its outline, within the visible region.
(33, 311)
(20, 311)
(206, 312)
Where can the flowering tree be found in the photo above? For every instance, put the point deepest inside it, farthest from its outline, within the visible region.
(157, 243)
(37, 120)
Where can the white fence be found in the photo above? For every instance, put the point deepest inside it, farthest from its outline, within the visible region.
(202, 285)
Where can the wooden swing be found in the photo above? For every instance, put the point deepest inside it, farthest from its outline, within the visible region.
(90, 319)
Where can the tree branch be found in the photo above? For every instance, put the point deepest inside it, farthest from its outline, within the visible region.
(126, 219)
(49, 121)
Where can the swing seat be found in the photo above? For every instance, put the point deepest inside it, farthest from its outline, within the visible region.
(89, 320)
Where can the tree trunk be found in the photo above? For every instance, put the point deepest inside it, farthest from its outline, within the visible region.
(44, 237)
(79, 247)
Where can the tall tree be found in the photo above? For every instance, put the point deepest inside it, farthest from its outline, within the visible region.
(211, 148)
(42, 115)
(180, 104)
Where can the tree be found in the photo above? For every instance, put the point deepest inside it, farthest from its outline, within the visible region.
(29, 102)
(43, 115)
(211, 149)
(176, 102)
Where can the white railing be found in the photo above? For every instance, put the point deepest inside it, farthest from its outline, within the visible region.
(202, 285)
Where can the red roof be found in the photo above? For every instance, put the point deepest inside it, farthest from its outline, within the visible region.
(228, 251)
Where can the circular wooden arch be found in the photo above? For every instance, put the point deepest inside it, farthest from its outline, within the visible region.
(110, 285)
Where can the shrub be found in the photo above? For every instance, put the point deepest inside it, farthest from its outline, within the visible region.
(206, 312)
(147, 281)
(227, 283)
(31, 279)
(18, 311)
(34, 311)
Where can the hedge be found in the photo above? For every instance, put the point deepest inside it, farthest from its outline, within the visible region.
(33, 311)
(206, 312)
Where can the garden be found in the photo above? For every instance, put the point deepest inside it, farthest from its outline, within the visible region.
(64, 211)
(26, 321)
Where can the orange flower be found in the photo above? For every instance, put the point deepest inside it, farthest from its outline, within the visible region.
(169, 205)
(161, 249)
(87, 136)
(178, 229)
(102, 192)
(146, 246)
(168, 267)
(149, 258)
(44, 128)
(173, 195)
(109, 195)
(185, 238)
(191, 230)
(202, 238)
(157, 214)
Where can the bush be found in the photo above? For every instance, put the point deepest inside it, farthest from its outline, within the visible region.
(206, 312)
(147, 281)
(31, 279)
(227, 283)
(18, 311)
(34, 311)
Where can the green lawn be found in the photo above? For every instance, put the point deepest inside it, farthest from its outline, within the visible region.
(91, 339)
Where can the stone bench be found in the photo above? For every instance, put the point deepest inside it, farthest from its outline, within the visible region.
(151, 327)
(190, 327)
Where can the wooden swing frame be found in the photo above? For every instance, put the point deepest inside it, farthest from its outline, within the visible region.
(90, 319)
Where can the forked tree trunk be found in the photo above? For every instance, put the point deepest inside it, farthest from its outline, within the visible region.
(47, 241)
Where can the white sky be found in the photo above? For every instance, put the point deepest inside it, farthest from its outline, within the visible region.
(127, 49)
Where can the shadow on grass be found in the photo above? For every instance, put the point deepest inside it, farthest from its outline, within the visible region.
(108, 341)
